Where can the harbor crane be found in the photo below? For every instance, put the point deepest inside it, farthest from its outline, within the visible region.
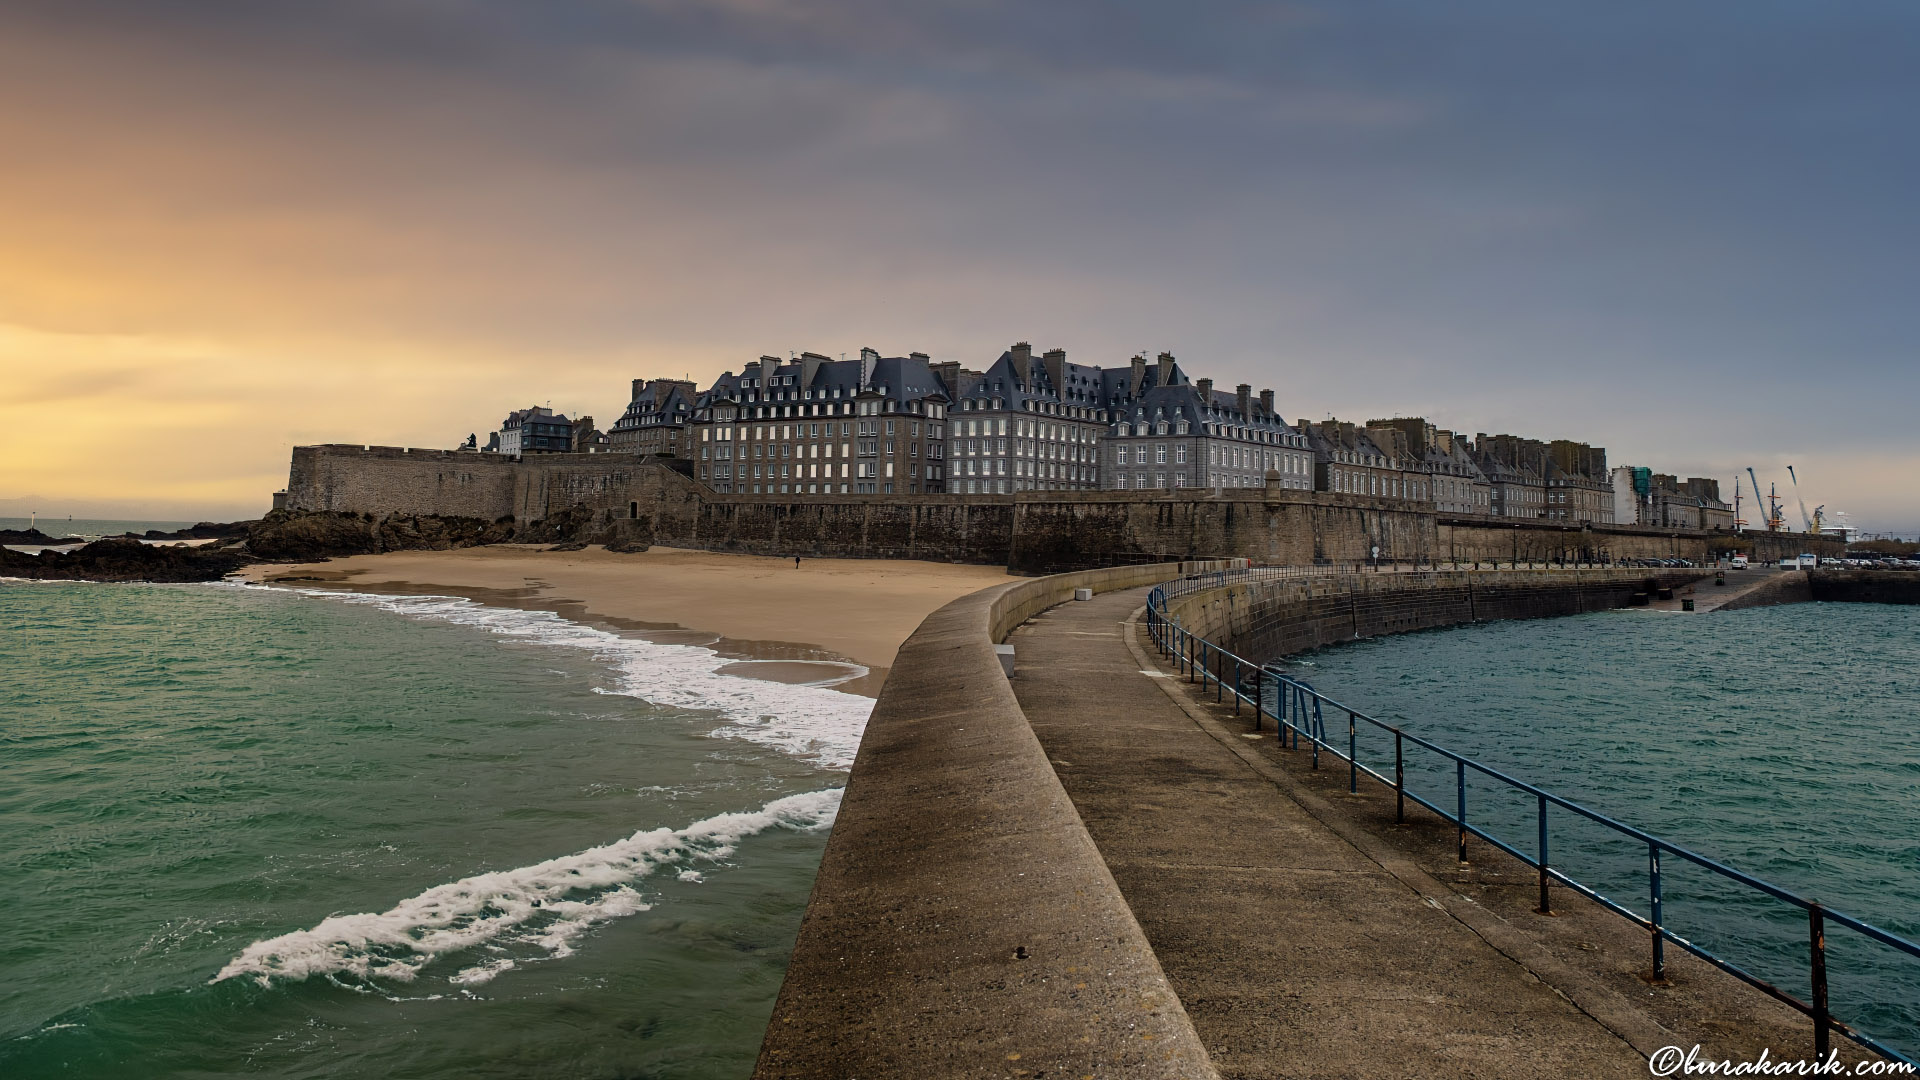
(1769, 515)
(1805, 518)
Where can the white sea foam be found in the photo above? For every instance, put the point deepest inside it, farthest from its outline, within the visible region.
(546, 906)
(805, 720)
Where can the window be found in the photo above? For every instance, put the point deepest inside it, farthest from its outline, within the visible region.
(1160, 454)
(1180, 457)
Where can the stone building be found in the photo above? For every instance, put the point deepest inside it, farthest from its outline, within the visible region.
(818, 426)
(1026, 424)
(536, 430)
(1454, 484)
(588, 439)
(1579, 489)
(1167, 431)
(1350, 460)
(655, 421)
(1693, 503)
(1516, 472)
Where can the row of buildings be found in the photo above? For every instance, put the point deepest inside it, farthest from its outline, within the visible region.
(811, 425)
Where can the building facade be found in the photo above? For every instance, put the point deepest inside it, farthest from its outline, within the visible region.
(536, 430)
(813, 425)
(1167, 431)
(655, 421)
(1515, 469)
(1350, 460)
(1579, 489)
(1454, 484)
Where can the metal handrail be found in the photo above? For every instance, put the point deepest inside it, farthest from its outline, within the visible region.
(1302, 712)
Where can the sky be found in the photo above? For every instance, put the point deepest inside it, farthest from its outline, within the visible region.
(1682, 231)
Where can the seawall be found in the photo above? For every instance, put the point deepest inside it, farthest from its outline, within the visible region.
(1262, 619)
(1865, 586)
(963, 924)
(614, 496)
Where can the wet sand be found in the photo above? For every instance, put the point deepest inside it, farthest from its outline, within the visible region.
(782, 623)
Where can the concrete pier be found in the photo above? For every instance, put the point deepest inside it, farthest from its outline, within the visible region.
(1296, 952)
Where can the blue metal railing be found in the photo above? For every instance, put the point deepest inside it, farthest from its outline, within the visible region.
(1301, 711)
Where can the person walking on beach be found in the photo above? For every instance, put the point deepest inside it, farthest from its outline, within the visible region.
(796, 562)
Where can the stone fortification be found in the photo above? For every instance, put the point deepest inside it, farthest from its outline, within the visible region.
(384, 480)
(598, 498)
(1865, 586)
(1264, 619)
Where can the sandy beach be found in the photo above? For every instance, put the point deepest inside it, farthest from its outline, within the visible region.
(780, 622)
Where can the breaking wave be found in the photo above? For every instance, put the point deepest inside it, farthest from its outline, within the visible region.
(534, 912)
(809, 721)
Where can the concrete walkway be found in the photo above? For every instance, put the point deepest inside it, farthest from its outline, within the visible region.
(1754, 586)
(1295, 952)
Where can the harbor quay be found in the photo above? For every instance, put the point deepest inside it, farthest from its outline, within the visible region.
(1113, 863)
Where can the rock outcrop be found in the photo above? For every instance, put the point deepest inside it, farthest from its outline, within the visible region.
(119, 559)
(303, 537)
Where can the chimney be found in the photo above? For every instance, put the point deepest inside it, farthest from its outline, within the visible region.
(868, 358)
(948, 371)
(1163, 370)
(1139, 375)
(638, 385)
(1056, 362)
(1205, 386)
(1022, 364)
(1243, 395)
(1266, 403)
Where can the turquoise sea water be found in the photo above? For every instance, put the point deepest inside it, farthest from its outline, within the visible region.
(254, 832)
(1782, 741)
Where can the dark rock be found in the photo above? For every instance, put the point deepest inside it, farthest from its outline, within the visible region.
(34, 536)
(286, 536)
(120, 559)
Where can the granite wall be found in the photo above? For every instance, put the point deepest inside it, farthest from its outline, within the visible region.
(1032, 532)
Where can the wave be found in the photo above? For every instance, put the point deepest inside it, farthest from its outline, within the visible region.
(805, 720)
(545, 906)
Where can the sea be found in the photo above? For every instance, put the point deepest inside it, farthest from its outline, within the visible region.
(265, 831)
(307, 833)
(1783, 742)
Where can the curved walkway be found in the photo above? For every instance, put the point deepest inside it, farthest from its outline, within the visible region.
(1295, 951)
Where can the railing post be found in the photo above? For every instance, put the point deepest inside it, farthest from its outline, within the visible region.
(1460, 803)
(1353, 756)
(1399, 782)
(1546, 907)
(1822, 1018)
(1315, 732)
(1237, 676)
(1659, 935)
(1259, 697)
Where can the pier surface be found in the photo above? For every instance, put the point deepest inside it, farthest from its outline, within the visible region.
(1295, 952)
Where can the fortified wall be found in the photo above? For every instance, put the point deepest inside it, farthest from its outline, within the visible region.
(1040, 531)
(1263, 619)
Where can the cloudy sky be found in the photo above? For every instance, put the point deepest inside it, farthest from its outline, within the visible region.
(1684, 231)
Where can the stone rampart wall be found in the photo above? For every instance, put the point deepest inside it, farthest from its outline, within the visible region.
(1263, 620)
(1865, 586)
(1033, 532)
(384, 480)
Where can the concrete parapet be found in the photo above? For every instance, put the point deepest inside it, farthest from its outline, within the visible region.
(963, 924)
